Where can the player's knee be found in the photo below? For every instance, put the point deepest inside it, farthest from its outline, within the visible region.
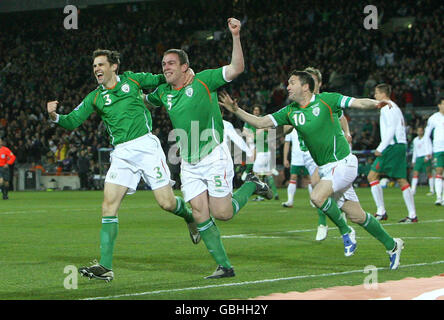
(168, 204)
(317, 199)
(359, 219)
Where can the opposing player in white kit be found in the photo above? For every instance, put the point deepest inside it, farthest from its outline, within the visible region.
(296, 165)
(435, 123)
(391, 155)
(421, 159)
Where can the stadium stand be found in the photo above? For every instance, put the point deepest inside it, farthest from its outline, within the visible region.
(42, 61)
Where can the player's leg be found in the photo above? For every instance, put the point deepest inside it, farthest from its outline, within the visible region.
(211, 236)
(369, 223)
(415, 177)
(4, 182)
(175, 204)
(378, 196)
(269, 179)
(430, 179)
(408, 200)
(438, 185)
(291, 188)
(113, 195)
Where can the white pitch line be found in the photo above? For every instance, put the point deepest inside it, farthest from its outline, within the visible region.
(330, 228)
(235, 284)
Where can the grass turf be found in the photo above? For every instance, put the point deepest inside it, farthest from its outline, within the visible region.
(44, 234)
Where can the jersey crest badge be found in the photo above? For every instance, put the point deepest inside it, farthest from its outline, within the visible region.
(189, 91)
(316, 111)
(126, 88)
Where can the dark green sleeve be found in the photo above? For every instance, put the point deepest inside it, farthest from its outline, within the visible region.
(77, 116)
(146, 80)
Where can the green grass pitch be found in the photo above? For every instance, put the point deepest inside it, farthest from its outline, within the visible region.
(44, 234)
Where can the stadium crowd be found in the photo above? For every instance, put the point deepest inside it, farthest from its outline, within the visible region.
(42, 61)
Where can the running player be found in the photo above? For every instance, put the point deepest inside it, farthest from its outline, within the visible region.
(421, 159)
(296, 165)
(391, 156)
(137, 152)
(315, 118)
(206, 168)
(435, 123)
(263, 160)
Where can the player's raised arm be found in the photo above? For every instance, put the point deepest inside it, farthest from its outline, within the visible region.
(231, 105)
(237, 65)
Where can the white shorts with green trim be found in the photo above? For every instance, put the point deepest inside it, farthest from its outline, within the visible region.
(139, 158)
(214, 174)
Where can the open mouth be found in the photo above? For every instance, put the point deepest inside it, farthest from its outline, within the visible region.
(99, 76)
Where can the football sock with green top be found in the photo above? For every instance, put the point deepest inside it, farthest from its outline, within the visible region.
(108, 235)
(241, 196)
(330, 208)
(374, 227)
(211, 237)
(182, 210)
(272, 185)
(249, 168)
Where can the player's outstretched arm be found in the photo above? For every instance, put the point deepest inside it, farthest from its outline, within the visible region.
(231, 105)
(366, 103)
(237, 65)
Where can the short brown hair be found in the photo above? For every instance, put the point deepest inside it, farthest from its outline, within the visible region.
(304, 78)
(112, 56)
(385, 88)
(315, 72)
(183, 56)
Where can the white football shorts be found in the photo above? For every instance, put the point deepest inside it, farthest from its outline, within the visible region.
(214, 173)
(139, 158)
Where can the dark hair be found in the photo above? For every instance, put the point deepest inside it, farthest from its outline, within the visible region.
(315, 72)
(254, 106)
(112, 56)
(385, 88)
(305, 78)
(183, 56)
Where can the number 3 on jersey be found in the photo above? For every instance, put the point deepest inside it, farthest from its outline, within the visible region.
(107, 99)
(299, 119)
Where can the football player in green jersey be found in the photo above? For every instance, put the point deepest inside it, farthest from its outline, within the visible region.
(315, 118)
(137, 152)
(207, 167)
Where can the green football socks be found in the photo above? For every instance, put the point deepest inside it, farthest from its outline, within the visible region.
(241, 196)
(272, 185)
(182, 210)
(211, 237)
(322, 218)
(108, 235)
(374, 227)
(330, 208)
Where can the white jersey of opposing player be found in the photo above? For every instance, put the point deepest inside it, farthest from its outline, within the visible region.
(391, 126)
(436, 122)
(230, 132)
(421, 148)
(297, 155)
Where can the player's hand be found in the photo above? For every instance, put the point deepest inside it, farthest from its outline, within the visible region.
(51, 107)
(286, 163)
(189, 77)
(227, 102)
(377, 153)
(234, 25)
(349, 138)
(382, 104)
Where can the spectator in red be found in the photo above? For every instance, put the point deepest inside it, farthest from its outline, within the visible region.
(7, 158)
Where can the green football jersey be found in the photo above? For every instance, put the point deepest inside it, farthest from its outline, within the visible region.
(121, 108)
(318, 125)
(260, 139)
(195, 113)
